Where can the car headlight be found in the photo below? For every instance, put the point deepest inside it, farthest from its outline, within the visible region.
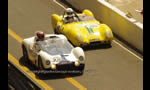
(53, 66)
(108, 34)
(81, 58)
(47, 62)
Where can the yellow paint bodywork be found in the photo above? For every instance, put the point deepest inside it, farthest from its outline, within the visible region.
(84, 32)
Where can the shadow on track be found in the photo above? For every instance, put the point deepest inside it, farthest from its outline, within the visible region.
(49, 74)
(45, 74)
(95, 47)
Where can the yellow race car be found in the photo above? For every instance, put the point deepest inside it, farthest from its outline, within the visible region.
(83, 32)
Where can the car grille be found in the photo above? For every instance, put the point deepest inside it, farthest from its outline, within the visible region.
(94, 40)
(65, 66)
(95, 43)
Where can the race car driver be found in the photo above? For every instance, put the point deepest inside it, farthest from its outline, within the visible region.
(70, 16)
(39, 36)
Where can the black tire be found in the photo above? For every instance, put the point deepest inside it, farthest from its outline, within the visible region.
(108, 45)
(55, 31)
(25, 54)
(40, 64)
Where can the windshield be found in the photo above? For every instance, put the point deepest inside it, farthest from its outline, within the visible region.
(55, 46)
(86, 18)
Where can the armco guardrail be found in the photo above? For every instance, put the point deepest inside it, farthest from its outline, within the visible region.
(127, 28)
(18, 81)
(35, 86)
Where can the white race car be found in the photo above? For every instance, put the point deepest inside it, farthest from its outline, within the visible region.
(53, 53)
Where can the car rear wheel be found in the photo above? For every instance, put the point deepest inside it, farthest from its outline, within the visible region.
(108, 45)
(25, 54)
(40, 64)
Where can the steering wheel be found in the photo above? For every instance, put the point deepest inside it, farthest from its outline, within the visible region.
(77, 16)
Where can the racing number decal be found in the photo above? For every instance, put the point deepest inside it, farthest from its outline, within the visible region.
(89, 29)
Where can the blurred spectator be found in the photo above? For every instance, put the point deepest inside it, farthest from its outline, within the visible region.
(107, 0)
(129, 15)
(139, 11)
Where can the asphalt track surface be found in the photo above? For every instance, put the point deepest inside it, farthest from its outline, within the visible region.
(111, 68)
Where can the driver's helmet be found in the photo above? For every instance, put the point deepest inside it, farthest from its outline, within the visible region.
(40, 36)
(69, 12)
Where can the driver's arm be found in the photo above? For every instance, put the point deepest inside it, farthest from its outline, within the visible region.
(77, 17)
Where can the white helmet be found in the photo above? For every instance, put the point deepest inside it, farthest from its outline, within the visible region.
(69, 12)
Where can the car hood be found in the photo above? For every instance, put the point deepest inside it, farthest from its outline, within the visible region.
(59, 58)
(88, 29)
(64, 59)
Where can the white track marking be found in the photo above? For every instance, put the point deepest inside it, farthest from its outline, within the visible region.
(113, 40)
(127, 50)
(59, 4)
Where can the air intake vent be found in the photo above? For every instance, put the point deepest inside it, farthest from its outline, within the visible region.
(53, 37)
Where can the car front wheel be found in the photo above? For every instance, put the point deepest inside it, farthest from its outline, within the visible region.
(40, 64)
(25, 54)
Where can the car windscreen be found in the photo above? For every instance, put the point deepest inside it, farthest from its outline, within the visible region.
(55, 46)
(86, 18)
